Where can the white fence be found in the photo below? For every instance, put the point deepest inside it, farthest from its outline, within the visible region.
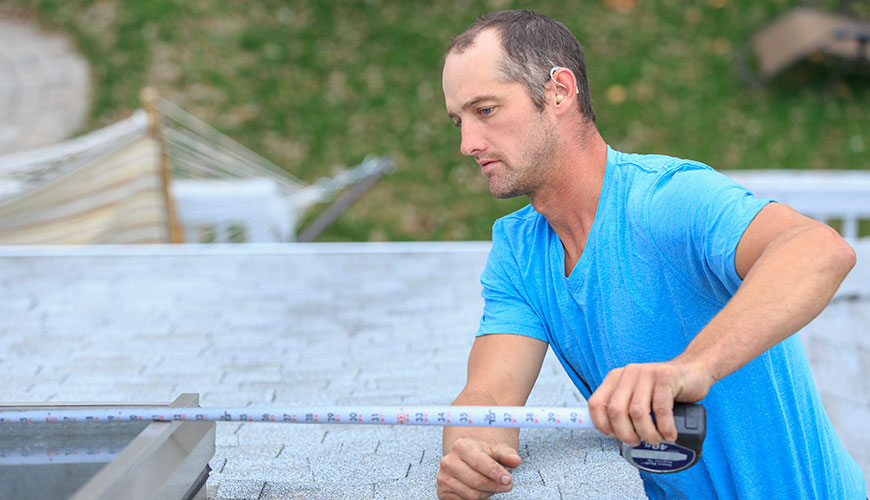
(253, 210)
(239, 210)
(825, 195)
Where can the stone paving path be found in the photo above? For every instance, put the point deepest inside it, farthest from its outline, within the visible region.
(44, 87)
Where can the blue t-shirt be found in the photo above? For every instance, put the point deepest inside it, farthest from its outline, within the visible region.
(657, 266)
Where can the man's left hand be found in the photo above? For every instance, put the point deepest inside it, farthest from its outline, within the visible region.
(621, 407)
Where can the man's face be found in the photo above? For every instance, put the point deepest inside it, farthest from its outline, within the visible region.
(514, 143)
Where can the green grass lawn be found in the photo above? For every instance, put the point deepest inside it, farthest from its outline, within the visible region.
(312, 85)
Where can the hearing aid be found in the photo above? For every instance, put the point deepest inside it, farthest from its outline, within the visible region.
(559, 97)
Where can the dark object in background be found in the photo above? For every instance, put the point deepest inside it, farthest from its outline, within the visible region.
(802, 33)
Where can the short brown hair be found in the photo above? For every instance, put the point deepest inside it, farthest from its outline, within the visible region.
(532, 44)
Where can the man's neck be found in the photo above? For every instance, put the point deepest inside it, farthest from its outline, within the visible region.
(570, 201)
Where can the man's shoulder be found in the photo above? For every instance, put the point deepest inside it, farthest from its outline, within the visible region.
(526, 216)
(646, 175)
(520, 234)
(658, 164)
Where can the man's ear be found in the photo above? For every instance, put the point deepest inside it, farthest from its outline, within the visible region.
(565, 88)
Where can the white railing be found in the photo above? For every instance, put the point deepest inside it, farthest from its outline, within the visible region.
(825, 195)
(260, 210)
(237, 210)
(253, 210)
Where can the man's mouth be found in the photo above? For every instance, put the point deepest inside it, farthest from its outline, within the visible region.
(485, 164)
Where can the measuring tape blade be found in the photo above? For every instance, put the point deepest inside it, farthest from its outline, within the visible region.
(472, 416)
(690, 420)
(66, 455)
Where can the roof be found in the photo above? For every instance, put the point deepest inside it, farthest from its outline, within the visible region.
(343, 324)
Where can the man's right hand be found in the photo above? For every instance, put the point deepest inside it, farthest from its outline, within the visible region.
(502, 369)
(474, 469)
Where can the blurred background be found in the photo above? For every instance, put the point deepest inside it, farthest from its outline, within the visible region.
(313, 85)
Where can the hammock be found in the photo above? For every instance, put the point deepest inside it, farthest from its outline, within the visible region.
(157, 177)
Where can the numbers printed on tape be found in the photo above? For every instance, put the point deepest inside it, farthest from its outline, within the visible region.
(480, 416)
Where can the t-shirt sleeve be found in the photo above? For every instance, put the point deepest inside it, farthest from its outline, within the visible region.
(696, 218)
(506, 306)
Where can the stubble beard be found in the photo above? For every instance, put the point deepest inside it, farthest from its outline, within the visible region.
(533, 170)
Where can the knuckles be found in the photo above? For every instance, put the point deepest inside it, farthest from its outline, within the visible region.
(637, 412)
(464, 446)
(442, 479)
(447, 491)
(661, 408)
(616, 410)
(594, 400)
(452, 464)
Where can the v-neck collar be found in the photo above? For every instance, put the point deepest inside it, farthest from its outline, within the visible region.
(558, 250)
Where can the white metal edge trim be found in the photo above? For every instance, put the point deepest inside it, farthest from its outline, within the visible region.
(416, 247)
(861, 245)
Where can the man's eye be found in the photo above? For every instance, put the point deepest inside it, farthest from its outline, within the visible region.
(486, 111)
(457, 124)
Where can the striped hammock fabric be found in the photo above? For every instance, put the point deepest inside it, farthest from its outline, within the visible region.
(105, 187)
(125, 182)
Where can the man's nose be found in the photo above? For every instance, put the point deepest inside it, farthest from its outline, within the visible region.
(472, 142)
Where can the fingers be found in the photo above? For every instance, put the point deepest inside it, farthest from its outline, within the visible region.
(600, 400)
(663, 407)
(480, 458)
(621, 401)
(507, 456)
(640, 411)
(452, 487)
(473, 469)
(621, 407)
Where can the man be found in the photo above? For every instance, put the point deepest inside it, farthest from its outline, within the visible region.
(653, 279)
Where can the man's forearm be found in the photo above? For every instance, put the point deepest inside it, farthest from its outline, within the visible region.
(789, 285)
(495, 435)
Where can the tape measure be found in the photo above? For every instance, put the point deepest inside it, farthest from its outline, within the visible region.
(681, 455)
(665, 458)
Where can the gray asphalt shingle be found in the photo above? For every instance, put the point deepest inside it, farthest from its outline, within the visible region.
(341, 324)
